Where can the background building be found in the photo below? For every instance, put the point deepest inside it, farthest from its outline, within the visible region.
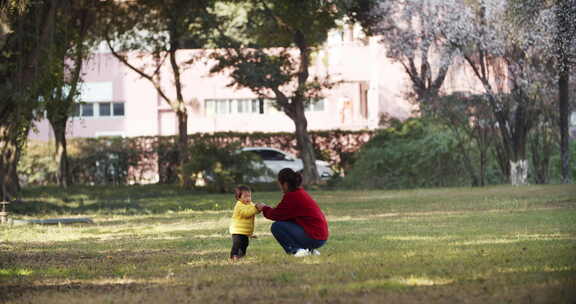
(115, 101)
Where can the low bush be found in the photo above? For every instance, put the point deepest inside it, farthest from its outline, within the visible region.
(97, 161)
(410, 154)
(221, 167)
(37, 166)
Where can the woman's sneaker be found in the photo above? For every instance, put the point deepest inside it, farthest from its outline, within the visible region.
(315, 252)
(302, 253)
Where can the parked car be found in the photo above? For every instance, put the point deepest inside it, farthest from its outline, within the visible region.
(276, 160)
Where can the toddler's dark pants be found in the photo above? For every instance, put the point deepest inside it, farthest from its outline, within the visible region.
(240, 243)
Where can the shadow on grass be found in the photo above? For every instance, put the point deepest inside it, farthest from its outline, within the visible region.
(123, 200)
(17, 291)
(38, 207)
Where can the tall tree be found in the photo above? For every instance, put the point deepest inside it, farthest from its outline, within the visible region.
(414, 33)
(22, 74)
(504, 58)
(557, 48)
(472, 123)
(155, 31)
(8, 9)
(421, 36)
(273, 60)
(71, 44)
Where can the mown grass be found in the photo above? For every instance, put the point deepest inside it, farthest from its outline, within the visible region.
(463, 245)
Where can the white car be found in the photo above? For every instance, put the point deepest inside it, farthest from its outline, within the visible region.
(276, 160)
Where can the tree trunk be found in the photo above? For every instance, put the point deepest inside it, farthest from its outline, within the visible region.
(185, 178)
(475, 180)
(301, 123)
(519, 172)
(518, 162)
(483, 140)
(17, 111)
(8, 164)
(310, 172)
(541, 161)
(503, 161)
(483, 156)
(519, 136)
(564, 13)
(564, 103)
(61, 153)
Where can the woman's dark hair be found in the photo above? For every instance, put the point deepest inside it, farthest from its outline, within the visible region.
(241, 188)
(291, 178)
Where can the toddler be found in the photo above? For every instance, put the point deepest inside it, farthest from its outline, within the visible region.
(242, 224)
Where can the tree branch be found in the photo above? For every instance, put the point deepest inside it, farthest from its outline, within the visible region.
(138, 71)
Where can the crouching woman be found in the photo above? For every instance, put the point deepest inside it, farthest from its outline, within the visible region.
(300, 227)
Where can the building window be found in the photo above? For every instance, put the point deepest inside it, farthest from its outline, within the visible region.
(118, 108)
(224, 106)
(316, 105)
(86, 109)
(364, 99)
(251, 106)
(234, 106)
(255, 108)
(210, 107)
(104, 109)
(99, 109)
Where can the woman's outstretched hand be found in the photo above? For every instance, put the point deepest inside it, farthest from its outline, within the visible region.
(260, 206)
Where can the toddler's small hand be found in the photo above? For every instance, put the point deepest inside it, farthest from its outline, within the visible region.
(260, 206)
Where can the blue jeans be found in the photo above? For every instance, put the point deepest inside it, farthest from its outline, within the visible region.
(292, 237)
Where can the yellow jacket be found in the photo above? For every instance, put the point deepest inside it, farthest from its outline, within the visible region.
(243, 218)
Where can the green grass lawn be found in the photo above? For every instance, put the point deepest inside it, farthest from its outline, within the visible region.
(153, 244)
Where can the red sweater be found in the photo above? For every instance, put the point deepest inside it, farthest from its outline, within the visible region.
(299, 207)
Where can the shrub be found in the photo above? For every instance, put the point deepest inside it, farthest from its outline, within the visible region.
(410, 154)
(222, 167)
(149, 159)
(334, 146)
(37, 165)
(556, 165)
(102, 161)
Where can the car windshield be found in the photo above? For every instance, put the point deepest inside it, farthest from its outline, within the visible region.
(269, 154)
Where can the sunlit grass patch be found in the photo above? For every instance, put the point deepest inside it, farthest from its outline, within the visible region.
(120, 230)
(314, 260)
(207, 262)
(366, 286)
(517, 238)
(10, 272)
(538, 268)
(418, 238)
(422, 281)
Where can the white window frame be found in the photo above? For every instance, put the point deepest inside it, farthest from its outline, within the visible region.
(96, 110)
(234, 106)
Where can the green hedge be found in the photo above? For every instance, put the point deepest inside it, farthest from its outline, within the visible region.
(415, 153)
(409, 154)
(133, 160)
